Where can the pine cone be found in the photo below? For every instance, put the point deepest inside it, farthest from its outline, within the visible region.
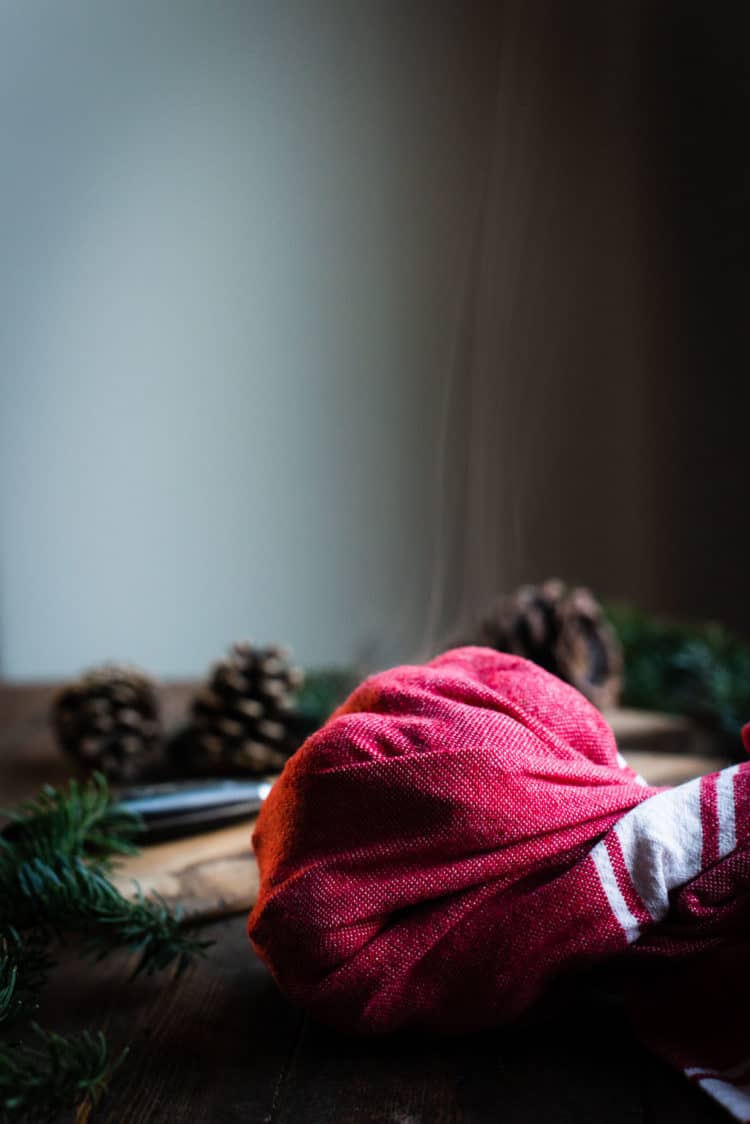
(243, 720)
(109, 720)
(564, 631)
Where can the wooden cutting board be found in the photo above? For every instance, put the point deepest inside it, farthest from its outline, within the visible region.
(215, 874)
(209, 875)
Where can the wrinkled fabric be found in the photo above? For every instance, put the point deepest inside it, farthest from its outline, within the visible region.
(461, 834)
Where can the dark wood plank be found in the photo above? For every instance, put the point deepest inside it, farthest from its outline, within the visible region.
(560, 1069)
(223, 1045)
(212, 1045)
(21, 705)
(28, 757)
(668, 1098)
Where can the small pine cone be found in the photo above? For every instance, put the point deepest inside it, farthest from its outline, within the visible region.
(565, 632)
(243, 720)
(109, 720)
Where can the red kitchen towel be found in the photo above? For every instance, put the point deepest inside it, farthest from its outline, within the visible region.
(460, 834)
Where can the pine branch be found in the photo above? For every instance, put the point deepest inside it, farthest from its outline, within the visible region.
(694, 668)
(54, 863)
(24, 965)
(81, 821)
(51, 1073)
(53, 878)
(67, 895)
(321, 692)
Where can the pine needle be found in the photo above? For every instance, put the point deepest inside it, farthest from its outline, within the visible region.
(54, 865)
(47, 1072)
(82, 821)
(698, 669)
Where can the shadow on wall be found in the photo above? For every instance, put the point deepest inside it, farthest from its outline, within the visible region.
(564, 328)
(702, 68)
(611, 282)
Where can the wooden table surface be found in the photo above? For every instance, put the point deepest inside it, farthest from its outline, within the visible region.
(222, 1045)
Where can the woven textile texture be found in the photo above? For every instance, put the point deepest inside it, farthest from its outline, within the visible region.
(463, 833)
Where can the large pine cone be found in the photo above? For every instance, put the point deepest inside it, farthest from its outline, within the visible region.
(564, 631)
(243, 720)
(109, 720)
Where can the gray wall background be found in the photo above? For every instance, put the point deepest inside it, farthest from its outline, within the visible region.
(230, 240)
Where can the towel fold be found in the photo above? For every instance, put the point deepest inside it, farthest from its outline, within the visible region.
(461, 834)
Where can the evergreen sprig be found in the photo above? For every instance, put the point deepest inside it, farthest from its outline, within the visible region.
(322, 691)
(699, 669)
(24, 965)
(80, 821)
(55, 861)
(50, 1071)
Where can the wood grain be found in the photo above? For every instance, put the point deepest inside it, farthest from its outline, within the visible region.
(209, 875)
(210, 1046)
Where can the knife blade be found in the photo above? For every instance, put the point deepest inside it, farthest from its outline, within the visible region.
(170, 810)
